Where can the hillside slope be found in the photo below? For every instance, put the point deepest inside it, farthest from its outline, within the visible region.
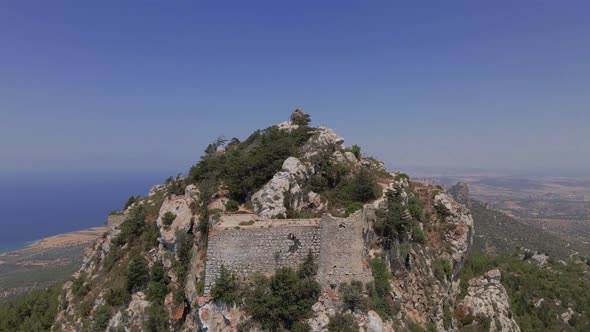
(499, 233)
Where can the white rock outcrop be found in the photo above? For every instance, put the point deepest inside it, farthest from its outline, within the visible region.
(269, 202)
(179, 206)
(487, 299)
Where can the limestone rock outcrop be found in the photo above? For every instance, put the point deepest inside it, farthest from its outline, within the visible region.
(487, 302)
(180, 207)
(282, 191)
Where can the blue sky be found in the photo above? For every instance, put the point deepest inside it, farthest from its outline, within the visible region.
(119, 86)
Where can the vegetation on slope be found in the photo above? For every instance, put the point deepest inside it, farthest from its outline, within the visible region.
(280, 302)
(32, 312)
(247, 166)
(561, 286)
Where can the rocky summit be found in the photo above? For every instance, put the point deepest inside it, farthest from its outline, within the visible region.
(289, 229)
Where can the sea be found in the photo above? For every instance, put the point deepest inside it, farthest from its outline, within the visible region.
(35, 206)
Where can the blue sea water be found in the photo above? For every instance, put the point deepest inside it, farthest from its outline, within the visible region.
(36, 206)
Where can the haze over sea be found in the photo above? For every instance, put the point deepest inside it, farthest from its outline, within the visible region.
(36, 206)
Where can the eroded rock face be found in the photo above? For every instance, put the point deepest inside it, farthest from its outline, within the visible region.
(487, 301)
(218, 318)
(269, 202)
(462, 236)
(179, 206)
(322, 138)
(133, 316)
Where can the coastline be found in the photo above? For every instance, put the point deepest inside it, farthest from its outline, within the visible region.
(54, 241)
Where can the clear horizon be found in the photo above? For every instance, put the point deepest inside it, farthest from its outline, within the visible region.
(116, 88)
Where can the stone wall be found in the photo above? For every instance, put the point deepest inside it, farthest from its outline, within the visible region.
(336, 243)
(341, 250)
(248, 250)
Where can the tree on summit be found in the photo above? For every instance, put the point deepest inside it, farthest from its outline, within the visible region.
(298, 117)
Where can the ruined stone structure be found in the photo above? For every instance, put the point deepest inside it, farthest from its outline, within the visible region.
(336, 243)
(341, 249)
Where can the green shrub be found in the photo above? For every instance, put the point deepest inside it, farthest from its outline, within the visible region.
(342, 323)
(391, 224)
(157, 288)
(447, 316)
(309, 267)
(232, 206)
(352, 295)
(150, 235)
(226, 287)
(250, 164)
(32, 312)
(116, 297)
(181, 264)
(379, 290)
(137, 273)
(113, 257)
(442, 269)
(415, 207)
(442, 211)
(352, 207)
(168, 218)
(356, 150)
(299, 118)
(418, 234)
(133, 226)
(80, 287)
(157, 318)
(285, 299)
(130, 201)
(101, 316)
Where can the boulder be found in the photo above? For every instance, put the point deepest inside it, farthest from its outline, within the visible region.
(487, 299)
(269, 202)
(374, 322)
(179, 206)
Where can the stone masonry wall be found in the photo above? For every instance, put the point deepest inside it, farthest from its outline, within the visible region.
(245, 251)
(341, 250)
(337, 244)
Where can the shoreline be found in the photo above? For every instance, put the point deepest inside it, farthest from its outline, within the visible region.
(58, 240)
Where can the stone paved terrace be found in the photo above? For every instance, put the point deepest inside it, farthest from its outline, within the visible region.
(250, 220)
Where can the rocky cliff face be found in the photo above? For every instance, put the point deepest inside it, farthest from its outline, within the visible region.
(486, 304)
(148, 271)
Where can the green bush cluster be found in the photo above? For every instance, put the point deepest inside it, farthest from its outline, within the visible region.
(157, 286)
(342, 323)
(80, 286)
(181, 263)
(157, 318)
(168, 218)
(356, 150)
(335, 182)
(379, 290)
(391, 224)
(442, 269)
(352, 296)
(130, 201)
(248, 165)
(280, 302)
(102, 316)
(137, 273)
(232, 205)
(33, 312)
(226, 288)
(394, 225)
(117, 296)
